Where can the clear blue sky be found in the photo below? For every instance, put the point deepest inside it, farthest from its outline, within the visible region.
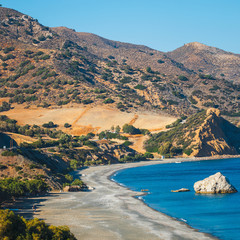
(161, 24)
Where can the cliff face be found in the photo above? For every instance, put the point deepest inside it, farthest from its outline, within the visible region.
(216, 136)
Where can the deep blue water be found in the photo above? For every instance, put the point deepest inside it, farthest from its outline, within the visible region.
(218, 214)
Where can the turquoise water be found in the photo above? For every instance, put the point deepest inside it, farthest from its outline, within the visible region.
(218, 214)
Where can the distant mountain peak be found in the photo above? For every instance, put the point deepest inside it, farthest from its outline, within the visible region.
(196, 45)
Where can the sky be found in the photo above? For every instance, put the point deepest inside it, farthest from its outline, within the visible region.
(160, 24)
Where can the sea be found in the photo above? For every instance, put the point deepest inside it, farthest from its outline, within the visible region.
(216, 214)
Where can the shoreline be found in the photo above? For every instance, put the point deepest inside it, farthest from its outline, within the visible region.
(136, 194)
(111, 211)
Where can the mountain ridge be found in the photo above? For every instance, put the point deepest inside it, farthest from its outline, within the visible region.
(84, 68)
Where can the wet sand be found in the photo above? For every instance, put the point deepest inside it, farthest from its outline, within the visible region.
(110, 211)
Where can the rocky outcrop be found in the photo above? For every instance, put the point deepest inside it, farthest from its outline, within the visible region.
(201, 135)
(216, 136)
(74, 188)
(216, 183)
(77, 188)
(181, 190)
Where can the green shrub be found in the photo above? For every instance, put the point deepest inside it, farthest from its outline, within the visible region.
(16, 227)
(188, 151)
(35, 41)
(178, 94)
(172, 102)
(174, 124)
(127, 143)
(5, 106)
(203, 76)
(41, 38)
(148, 155)
(165, 148)
(50, 125)
(45, 57)
(140, 87)
(87, 101)
(126, 80)
(111, 57)
(8, 49)
(18, 168)
(109, 100)
(67, 125)
(160, 61)
(9, 153)
(182, 78)
(127, 128)
(149, 70)
(77, 182)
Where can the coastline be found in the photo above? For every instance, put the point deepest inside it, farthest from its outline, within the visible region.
(112, 211)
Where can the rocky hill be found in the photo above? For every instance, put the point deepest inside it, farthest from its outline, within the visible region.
(137, 56)
(210, 60)
(50, 67)
(203, 134)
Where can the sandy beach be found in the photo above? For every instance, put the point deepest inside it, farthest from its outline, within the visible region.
(110, 211)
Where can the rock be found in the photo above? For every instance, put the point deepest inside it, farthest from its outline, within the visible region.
(74, 188)
(181, 190)
(215, 111)
(216, 183)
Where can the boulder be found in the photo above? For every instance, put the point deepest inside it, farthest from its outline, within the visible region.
(181, 190)
(74, 188)
(216, 183)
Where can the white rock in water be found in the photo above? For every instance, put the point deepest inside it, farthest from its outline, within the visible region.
(181, 190)
(216, 183)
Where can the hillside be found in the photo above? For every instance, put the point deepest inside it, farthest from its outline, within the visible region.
(210, 60)
(137, 56)
(45, 153)
(51, 67)
(203, 134)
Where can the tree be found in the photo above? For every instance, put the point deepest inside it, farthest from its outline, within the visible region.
(182, 78)
(50, 125)
(77, 182)
(109, 100)
(117, 129)
(160, 61)
(12, 226)
(165, 148)
(127, 128)
(38, 229)
(5, 106)
(15, 227)
(67, 125)
(61, 233)
(149, 70)
(148, 155)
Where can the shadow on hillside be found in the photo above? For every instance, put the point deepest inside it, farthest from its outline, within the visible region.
(6, 141)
